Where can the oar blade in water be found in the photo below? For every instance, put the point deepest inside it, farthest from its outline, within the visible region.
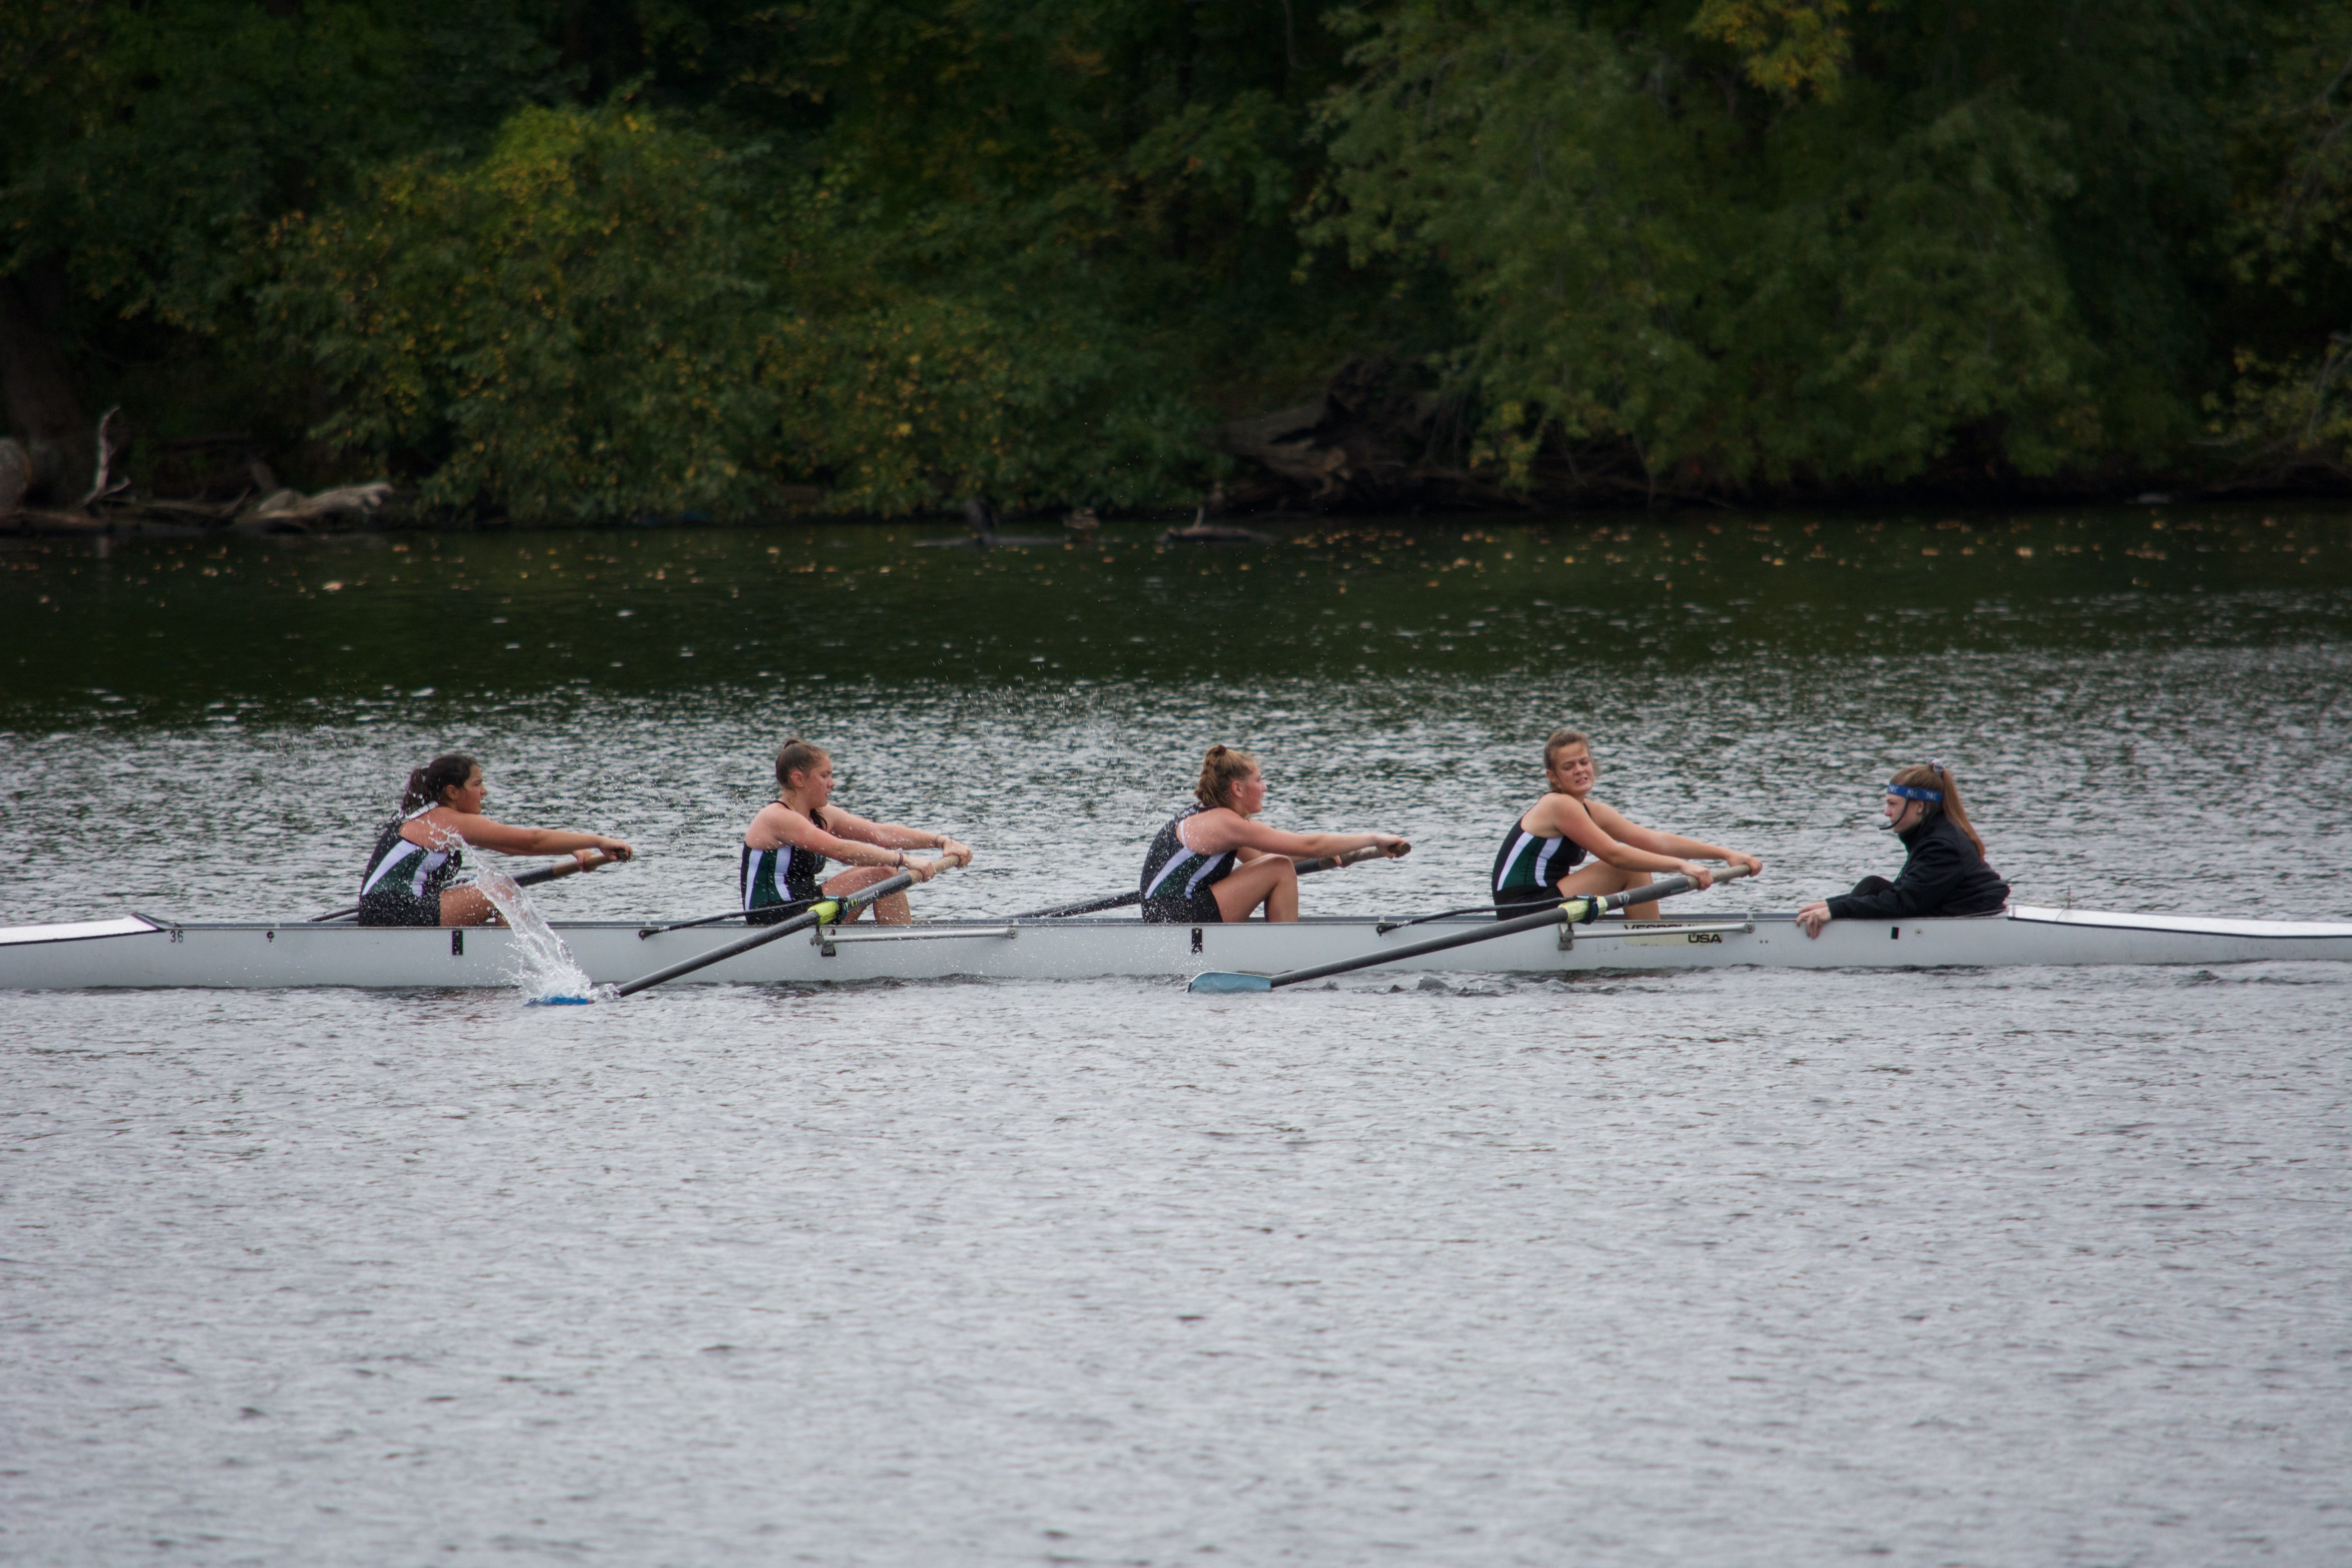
(1224, 983)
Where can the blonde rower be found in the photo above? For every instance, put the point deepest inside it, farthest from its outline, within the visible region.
(1569, 842)
(787, 844)
(1211, 863)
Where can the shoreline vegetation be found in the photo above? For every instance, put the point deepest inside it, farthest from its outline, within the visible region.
(285, 268)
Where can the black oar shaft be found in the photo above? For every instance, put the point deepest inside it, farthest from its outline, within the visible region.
(1091, 906)
(1305, 868)
(1567, 912)
(522, 880)
(1553, 916)
(698, 921)
(824, 913)
(1386, 926)
(1313, 864)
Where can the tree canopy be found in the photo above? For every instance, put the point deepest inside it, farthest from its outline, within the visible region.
(585, 259)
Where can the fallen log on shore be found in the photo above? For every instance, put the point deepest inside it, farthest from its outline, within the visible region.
(121, 513)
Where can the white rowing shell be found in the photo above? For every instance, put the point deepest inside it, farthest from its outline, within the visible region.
(139, 952)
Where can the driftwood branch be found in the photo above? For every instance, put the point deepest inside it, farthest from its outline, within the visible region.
(99, 487)
(281, 511)
(215, 511)
(293, 506)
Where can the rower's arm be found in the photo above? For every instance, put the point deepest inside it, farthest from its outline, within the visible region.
(1925, 886)
(485, 832)
(852, 846)
(1688, 848)
(857, 842)
(1238, 832)
(898, 836)
(1609, 838)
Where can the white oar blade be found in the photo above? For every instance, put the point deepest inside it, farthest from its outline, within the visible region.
(1222, 983)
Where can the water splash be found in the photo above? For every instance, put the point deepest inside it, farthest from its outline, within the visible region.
(544, 969)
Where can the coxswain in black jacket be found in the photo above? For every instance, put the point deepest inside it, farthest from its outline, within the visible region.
(1944, 876)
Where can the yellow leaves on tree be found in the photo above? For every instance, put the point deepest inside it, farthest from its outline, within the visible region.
(1788, 47)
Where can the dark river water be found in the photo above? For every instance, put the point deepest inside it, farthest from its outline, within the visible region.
(1968, 1266)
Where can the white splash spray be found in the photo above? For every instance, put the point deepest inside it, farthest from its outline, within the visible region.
(544, 969)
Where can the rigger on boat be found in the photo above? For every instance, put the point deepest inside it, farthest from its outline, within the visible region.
(1945, 908)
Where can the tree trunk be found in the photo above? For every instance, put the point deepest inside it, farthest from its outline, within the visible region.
(37, 396)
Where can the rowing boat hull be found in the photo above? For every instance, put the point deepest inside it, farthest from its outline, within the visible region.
(152, 954)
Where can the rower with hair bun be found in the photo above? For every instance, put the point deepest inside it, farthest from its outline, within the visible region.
(411, 878)
(787, 844)
(1944, 872)
(1211, 863)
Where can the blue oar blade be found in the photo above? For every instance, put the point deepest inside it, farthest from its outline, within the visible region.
(1223, 983)
(560, 1002)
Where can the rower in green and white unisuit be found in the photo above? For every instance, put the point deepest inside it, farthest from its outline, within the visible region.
(787, 844)
(411, 878)
(1212, 863)
(1568, 844)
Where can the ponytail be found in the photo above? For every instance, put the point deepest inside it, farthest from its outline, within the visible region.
(1221, 770)
(429, 782)
(1936, 777)
(797, 756)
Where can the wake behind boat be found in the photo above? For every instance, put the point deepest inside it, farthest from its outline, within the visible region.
(143, 951)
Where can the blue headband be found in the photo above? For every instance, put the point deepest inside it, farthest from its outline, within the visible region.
(1934, 796)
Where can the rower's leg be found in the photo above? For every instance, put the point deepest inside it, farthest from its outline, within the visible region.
(1270, 879)
(1597, 876)
(466, 907)
(891, 911)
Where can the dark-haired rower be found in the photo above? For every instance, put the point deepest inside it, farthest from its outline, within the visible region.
(411, 878)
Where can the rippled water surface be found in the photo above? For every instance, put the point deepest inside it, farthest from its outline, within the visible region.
(1999, 1267)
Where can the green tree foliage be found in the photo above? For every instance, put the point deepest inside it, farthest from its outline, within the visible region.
(1762, 245)
(2291, 251)
(601, 317)
(596, 257)
(157, 141)
(557, 327)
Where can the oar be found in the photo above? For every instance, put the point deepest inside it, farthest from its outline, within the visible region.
(687, 925)
(1567, 912)
(1386, 926)
(1092, 906)
(1122, 900)
(526, 879)
(823, 912)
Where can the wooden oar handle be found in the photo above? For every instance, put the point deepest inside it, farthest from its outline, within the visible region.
(1333, 862)
(530, 879)
(1677, 883)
